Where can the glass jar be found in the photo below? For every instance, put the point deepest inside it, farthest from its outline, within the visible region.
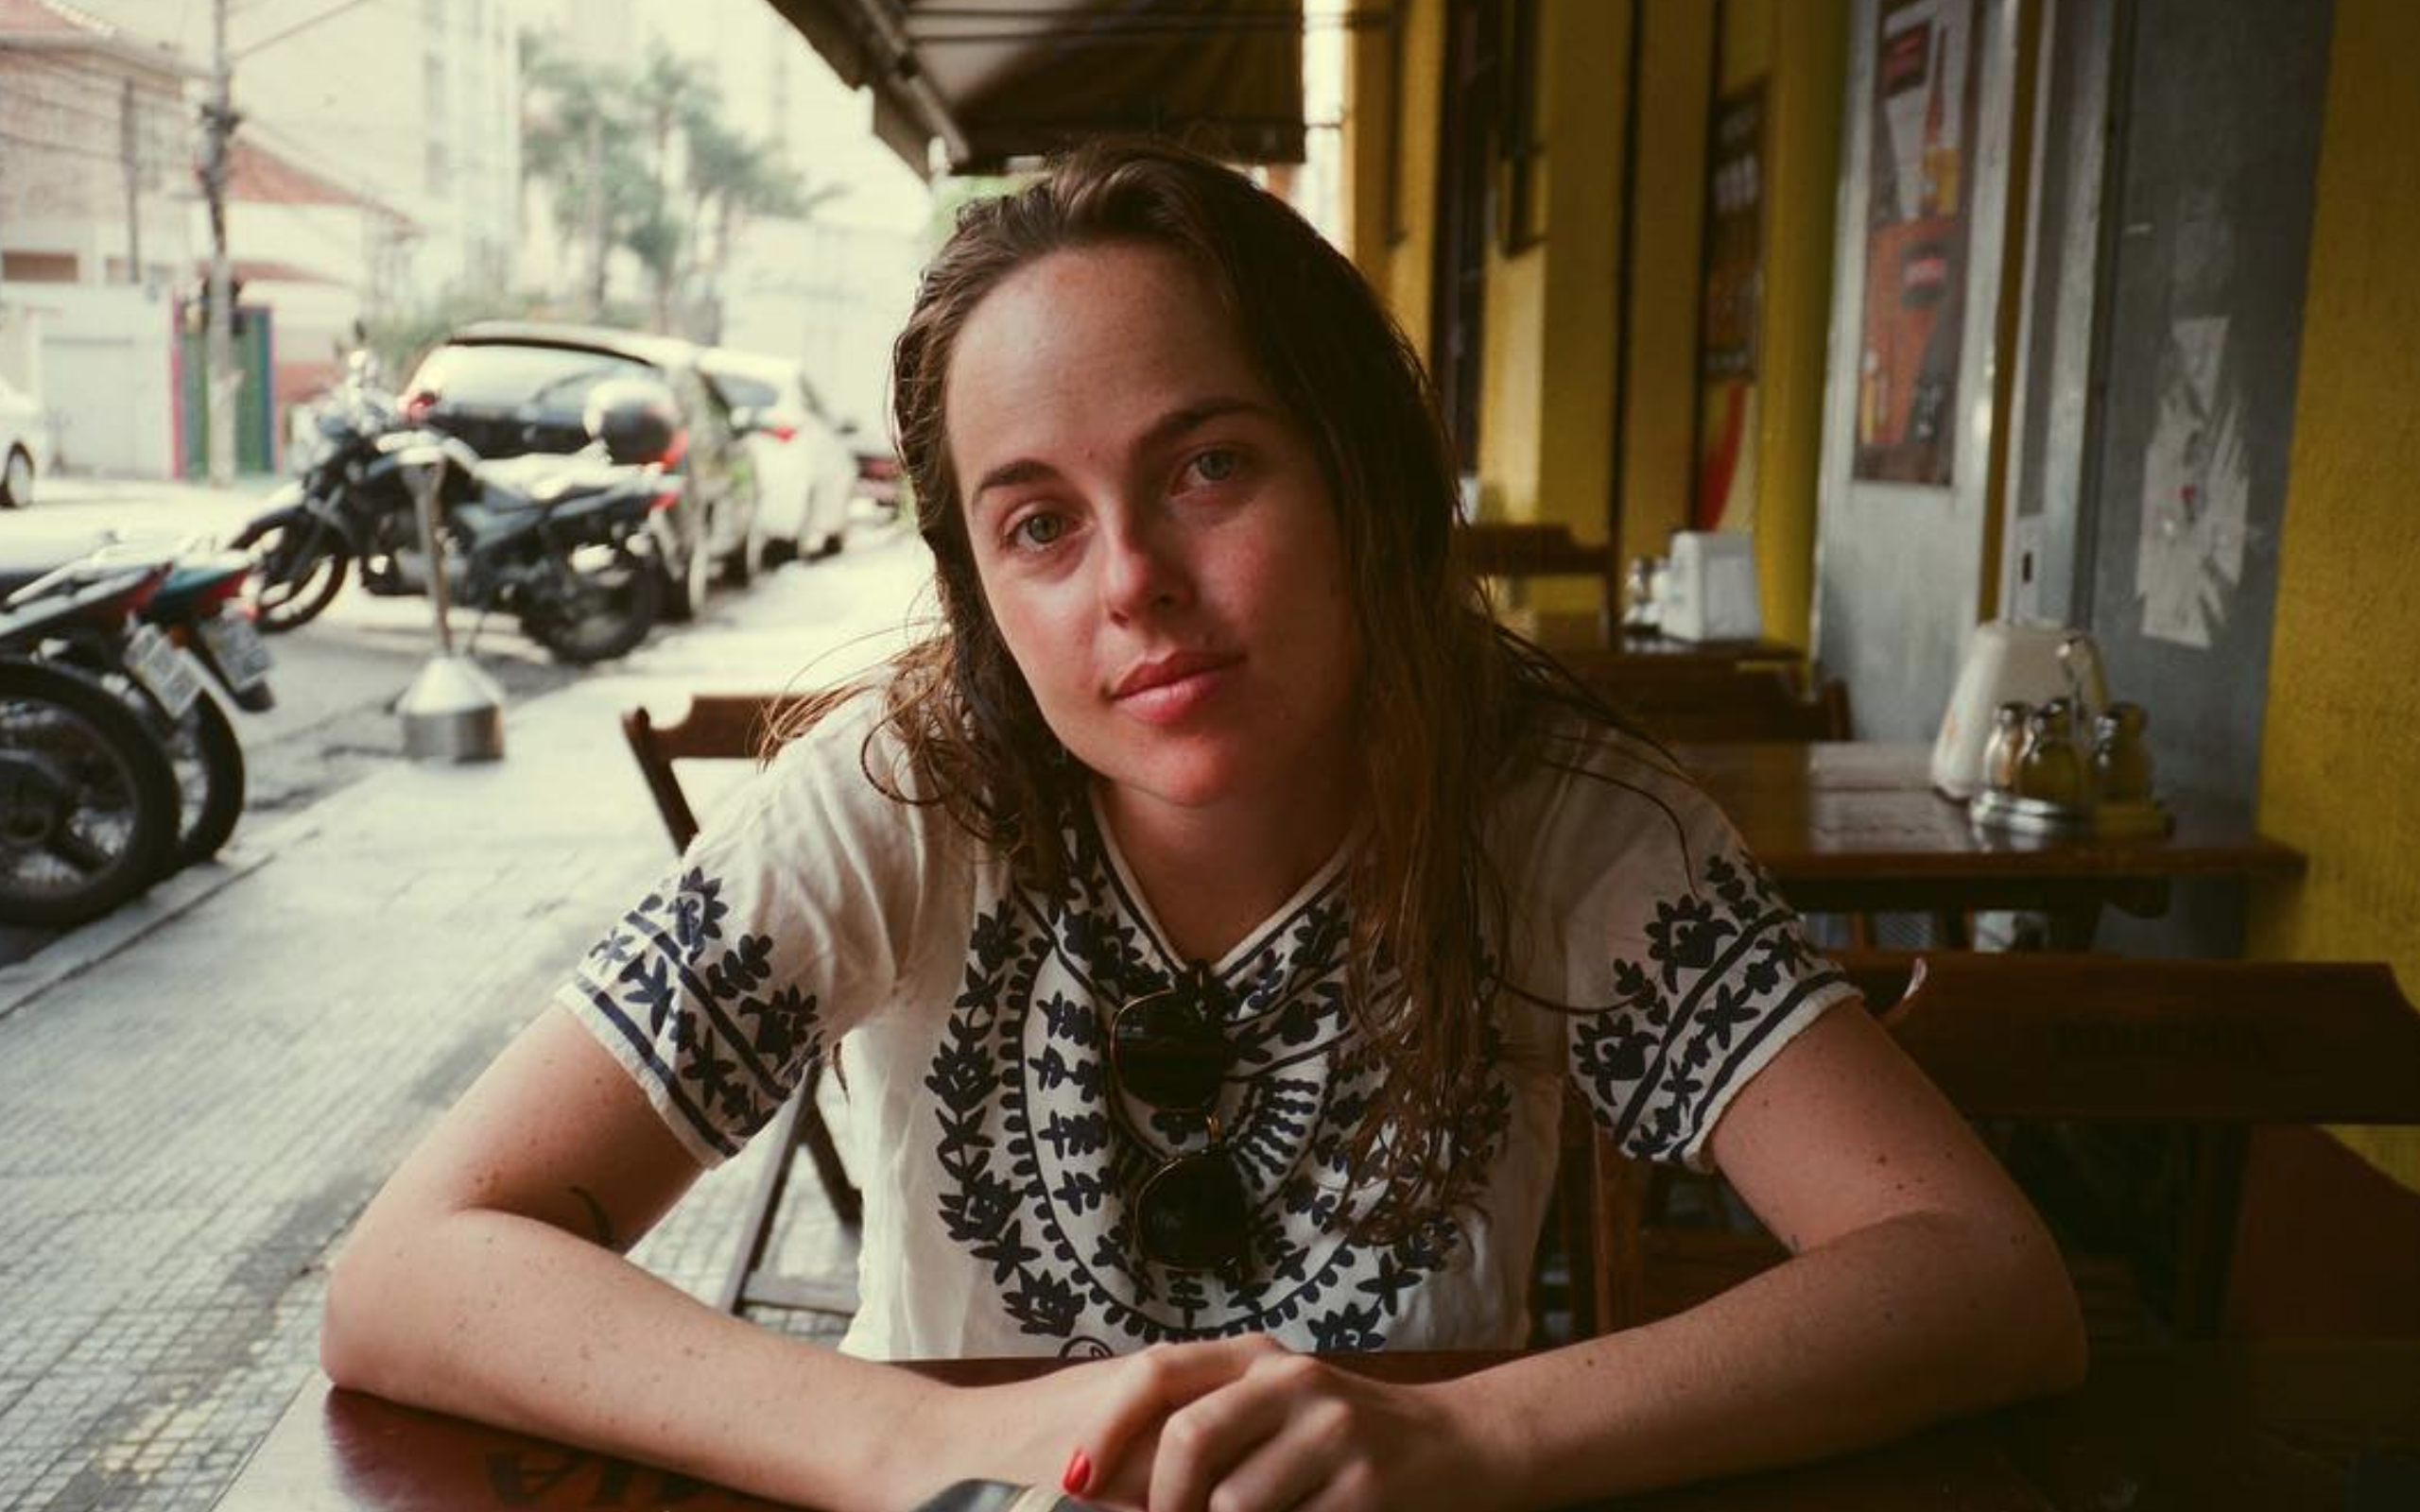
(2006, 747)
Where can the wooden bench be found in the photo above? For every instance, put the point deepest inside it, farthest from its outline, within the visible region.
(735, 727)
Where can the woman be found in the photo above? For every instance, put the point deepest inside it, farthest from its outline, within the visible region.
(1217, 910)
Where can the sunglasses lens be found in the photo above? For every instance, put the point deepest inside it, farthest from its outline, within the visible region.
(1192, 1213)
(1168, 1053)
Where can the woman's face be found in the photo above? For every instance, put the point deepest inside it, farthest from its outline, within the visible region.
(1154, 536)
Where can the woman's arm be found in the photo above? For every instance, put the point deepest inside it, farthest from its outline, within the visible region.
(1922, 1285)
(485, 1280)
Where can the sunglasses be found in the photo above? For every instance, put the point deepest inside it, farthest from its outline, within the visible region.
(1165, 1049)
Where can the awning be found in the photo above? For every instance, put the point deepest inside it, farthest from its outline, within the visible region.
(996, 80)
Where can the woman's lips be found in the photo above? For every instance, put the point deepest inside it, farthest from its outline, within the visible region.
(1165, 692)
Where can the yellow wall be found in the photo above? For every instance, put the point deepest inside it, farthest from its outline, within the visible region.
(1801, 48)
(2340, 765)
(1545, 413)
(1669, 192)
(1397, 265)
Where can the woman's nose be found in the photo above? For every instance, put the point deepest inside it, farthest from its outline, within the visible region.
(1143, 569)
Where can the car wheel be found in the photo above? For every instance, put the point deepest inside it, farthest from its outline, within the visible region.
(684, 591)
(745, 562)
(17, 479)
(779, 549)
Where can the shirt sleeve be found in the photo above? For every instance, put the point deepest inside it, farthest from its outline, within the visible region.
(787, 921)
(1683, 973)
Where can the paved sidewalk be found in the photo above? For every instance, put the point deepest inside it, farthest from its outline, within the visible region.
(189, 1123)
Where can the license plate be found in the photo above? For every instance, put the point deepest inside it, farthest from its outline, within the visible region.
(163, 669)
(242, 657)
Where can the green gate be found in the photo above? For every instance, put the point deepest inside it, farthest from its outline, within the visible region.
(255, 419)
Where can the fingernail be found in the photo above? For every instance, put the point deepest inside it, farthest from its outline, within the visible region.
(1079, 1477)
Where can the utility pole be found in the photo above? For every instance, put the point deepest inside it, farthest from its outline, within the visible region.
(129, 154)
(220, 380)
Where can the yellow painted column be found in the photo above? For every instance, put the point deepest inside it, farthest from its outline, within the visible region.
(2339, 766)
(1809, 43)
(1546, 420)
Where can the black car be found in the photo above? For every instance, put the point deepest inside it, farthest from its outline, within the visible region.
(506, 388)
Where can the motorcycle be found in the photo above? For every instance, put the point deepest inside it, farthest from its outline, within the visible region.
(88, 796)
(345, 504)
(565, 541)
(194, 606)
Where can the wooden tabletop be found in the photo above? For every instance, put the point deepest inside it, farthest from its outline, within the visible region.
(1599, 635)
(2281, 1426)
(1851, 825)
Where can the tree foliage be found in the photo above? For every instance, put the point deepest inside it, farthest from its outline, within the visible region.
(642, 160)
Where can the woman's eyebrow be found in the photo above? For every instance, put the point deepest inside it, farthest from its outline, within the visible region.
(1169, 426)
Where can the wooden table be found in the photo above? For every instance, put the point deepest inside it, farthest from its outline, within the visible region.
(2283, 1428)
(1596, 636)
(1855, 826)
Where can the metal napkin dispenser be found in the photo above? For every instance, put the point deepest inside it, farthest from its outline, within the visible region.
(1709, 592)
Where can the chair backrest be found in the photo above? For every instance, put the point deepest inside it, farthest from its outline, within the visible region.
(2029, 1038)
(2094, 1039)
(1682, 701)
(1533, 550)
(717, 727)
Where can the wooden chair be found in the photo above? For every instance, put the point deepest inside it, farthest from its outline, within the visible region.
(733, 726)
(2035, 1039)
(1683, 703)
(1497, 549)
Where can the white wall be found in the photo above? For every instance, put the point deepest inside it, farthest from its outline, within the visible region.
(105, 365)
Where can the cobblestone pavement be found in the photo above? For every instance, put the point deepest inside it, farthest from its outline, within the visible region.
(189, 1124)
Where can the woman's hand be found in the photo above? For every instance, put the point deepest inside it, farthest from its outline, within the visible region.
(1244, 1425)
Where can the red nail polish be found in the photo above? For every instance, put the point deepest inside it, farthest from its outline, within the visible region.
(1079, 1476)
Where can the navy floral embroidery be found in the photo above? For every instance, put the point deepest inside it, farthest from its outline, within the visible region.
(1684, 1018)
(724, 1040)
(1039, 1151)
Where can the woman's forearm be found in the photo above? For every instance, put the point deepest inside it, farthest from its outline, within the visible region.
(1882, 1330)
(514, 1322)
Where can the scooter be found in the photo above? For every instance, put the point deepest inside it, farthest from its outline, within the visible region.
(88, 796)
(195, 609)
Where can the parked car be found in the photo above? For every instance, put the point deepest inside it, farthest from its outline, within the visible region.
(25, 445)
(805, 468)
(508, 388)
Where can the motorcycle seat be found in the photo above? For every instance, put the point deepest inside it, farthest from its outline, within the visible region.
(543, 480)
(22, 561)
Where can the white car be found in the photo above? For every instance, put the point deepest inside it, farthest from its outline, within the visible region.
(25, 446)
(805, 469)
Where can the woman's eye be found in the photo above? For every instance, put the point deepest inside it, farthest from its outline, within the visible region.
(1217, 465)
(1037, 531)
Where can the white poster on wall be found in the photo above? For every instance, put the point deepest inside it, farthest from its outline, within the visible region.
(2196, 487)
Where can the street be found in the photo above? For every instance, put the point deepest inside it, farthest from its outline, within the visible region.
(193, 1111)
(336, 678)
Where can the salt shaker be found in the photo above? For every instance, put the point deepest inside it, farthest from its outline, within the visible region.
(1639, 610)
(2006, 747)
(2051, 771)
(2121, 760)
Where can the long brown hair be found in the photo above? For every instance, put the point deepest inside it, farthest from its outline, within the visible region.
(1441, 705)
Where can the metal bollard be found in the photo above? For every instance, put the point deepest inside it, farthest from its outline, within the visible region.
(452, 711)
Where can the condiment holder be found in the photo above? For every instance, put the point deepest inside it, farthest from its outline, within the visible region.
(2038, 778)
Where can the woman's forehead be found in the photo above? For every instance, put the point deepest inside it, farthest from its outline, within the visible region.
(1098, 335)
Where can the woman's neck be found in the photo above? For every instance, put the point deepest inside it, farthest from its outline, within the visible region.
(1213, 874)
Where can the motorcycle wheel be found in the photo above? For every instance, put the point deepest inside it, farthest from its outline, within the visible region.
(299, 564)
(101, 825)
(613, 599)
(209, 764)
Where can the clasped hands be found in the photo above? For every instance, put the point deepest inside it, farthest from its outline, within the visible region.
(1242, 1425)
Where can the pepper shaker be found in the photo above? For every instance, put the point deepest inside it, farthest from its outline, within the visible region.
(2051, 771)
(2121, 760)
